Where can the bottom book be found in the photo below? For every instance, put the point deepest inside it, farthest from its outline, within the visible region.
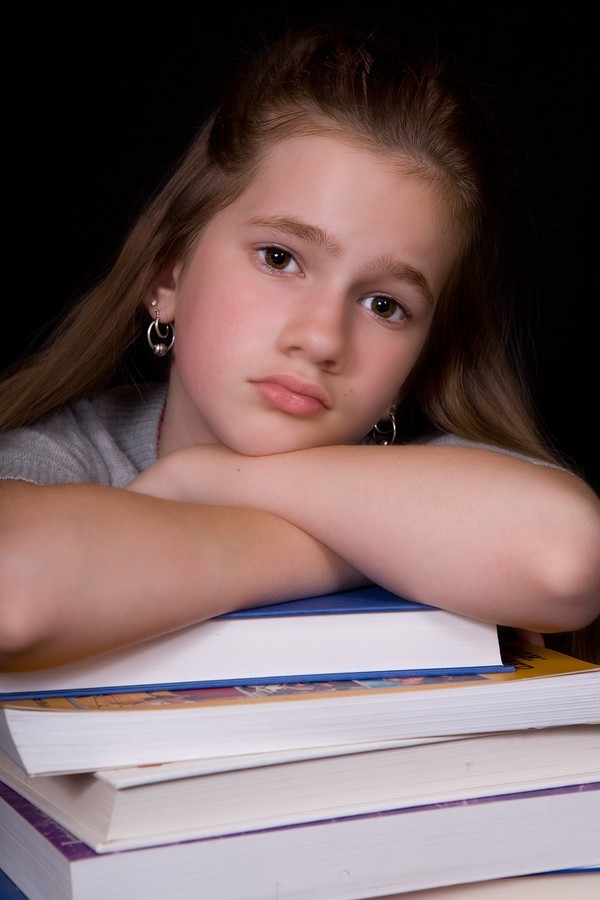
(575, 884)
(397, 851)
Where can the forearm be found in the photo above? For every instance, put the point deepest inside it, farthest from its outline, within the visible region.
(474, 531)
(85, 569)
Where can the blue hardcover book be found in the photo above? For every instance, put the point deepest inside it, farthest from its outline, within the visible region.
(360, 634)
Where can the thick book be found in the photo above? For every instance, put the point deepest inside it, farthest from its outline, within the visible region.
(577, 884)
(364, 633)
(116, 809)
(82, 734)
(380, 853)
(563, 884)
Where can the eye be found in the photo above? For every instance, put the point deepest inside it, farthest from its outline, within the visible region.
(279, 259)
(382, 307)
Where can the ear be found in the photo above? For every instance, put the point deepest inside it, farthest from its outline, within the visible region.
(165, 295)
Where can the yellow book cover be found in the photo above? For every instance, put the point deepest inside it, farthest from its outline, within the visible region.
(70, 734)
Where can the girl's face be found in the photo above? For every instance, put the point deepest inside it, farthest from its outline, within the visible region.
(305, 303)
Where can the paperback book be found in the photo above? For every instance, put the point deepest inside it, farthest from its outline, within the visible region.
(576, 884)
(86, 733)
(116, 809)
(364, 633)
(341, 858)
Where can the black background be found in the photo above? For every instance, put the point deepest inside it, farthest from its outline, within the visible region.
(107, 96)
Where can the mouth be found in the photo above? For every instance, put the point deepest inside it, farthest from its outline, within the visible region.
(289, 394)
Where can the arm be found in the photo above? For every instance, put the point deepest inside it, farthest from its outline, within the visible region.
(482, 533)
(85, 569)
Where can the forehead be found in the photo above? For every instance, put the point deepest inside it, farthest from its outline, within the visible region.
(302, 162)
(370, 204)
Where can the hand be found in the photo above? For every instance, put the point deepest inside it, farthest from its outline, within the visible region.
(205, 473)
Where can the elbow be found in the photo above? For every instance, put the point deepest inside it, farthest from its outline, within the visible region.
(570, 607)
(25, 613)
(18, 639)
(19, 613)
(567, 568)
(20, 619)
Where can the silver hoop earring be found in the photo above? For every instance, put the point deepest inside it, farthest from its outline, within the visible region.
(160, 337)
(384, 432)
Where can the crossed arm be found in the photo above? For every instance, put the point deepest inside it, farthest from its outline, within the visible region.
(85, 568)
(479, 532)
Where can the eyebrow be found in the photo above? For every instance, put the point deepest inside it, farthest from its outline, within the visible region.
(384, 266)
(302, 230)
(402, 271)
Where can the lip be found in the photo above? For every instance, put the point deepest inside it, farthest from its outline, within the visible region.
(290, 394)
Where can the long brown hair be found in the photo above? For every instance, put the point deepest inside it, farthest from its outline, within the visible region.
(323, 80)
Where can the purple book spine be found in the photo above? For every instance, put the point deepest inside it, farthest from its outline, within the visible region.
(65, 842)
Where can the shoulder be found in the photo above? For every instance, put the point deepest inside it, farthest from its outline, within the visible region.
(455, 440)
(106, 439)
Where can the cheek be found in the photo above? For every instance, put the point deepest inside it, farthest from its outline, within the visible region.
(393, 366)
(205, 311)
(212, 337)
(382, 387)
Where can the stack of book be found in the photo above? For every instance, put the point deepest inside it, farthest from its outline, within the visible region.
(352, 746)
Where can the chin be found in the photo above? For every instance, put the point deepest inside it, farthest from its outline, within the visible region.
(263, 445)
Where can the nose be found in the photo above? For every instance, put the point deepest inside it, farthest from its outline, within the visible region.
(319, 328)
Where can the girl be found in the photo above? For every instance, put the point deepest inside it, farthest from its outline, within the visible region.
(339, 402)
